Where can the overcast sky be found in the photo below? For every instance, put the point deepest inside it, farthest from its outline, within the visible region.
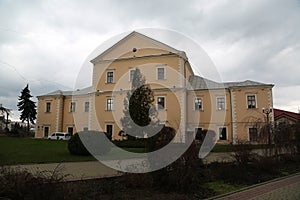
(45, 43)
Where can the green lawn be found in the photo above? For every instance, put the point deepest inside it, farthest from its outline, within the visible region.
(219, 187)
(28, 150)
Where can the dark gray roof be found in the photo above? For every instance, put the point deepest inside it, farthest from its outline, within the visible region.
(200, 83)
(83, 91)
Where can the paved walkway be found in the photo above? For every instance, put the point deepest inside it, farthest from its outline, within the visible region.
(94, 169)
(281, 189)
(72, 170)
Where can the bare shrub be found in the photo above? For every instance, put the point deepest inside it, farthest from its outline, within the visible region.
(21, 184)
(243, 152)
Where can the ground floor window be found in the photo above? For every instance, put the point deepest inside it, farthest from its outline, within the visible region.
(70, 130)
(222, 133)
(46, 131)
(253, 136)
(109, 130)
(200, 135)
(161, 103)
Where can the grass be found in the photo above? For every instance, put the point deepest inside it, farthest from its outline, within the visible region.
(219, 187)
(28, 150)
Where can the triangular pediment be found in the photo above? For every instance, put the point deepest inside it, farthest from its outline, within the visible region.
(136, 44)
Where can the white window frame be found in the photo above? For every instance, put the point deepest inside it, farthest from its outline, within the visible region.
(161, 67)
(255, 101)
(217, 106)
(219, 132)
(132, 69)
(249, 134)
(67, 130)
(112, 104)
(113, 76)
(72, 110)
(48, 103)
(196, 98)
(86, 108)
(49, 131)
(112, 129)
(165, 102)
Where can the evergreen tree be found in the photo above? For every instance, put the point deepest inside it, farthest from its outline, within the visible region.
(138, 108)
(27, 107)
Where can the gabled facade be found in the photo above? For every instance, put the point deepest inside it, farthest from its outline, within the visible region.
(186, 102)
(287, 117)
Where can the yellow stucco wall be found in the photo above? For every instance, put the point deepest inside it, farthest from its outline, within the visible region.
(179, 111)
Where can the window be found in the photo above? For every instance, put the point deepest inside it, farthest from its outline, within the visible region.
(160, 73)
(109, 77)
(161, 103)
(251, 102)
(86, 106)
(198, 104)
(131, 74)
(199, 134)
(109, 103)
(48, 106)
(70, 130)
(222, 133)
(253, 134)
(109, 131)
(220, 103)
(46, 131)
(73, 107)
(85, 128)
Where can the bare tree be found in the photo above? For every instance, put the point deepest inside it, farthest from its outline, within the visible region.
(6, 112)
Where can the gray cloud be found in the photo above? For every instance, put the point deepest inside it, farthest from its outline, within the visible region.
(46, 42)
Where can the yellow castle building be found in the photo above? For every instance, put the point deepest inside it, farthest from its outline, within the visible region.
(184, 101)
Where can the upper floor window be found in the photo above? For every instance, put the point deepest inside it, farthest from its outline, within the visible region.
(131, 74)
(220, 103)
(110, 77)
(48, 106)
(198, 104)
(161, 103)
(109, 103)
(161, 73)
(251, 101)
(72, 106)
(86, 106)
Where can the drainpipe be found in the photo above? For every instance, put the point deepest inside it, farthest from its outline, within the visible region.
(62, 112)
(231, 119)
(186, 97)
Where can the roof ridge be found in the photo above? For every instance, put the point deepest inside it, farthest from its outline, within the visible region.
(179, 52)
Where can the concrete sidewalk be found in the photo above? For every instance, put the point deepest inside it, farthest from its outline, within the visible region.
(72, 170)
(287, 188)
